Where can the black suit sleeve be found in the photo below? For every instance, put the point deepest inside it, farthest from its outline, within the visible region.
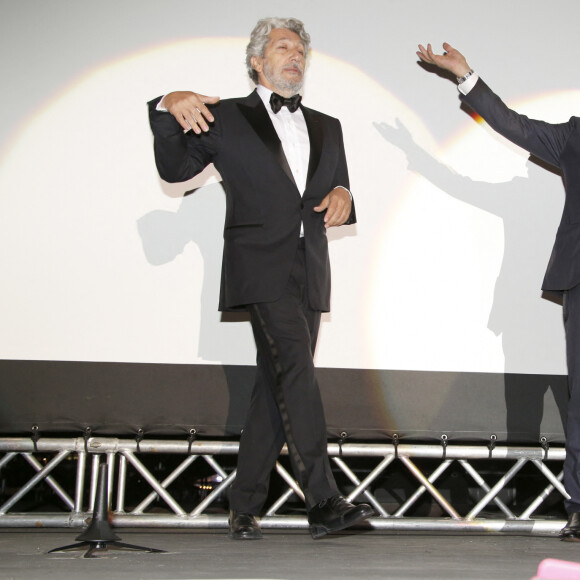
(341, 177)
(180, 156)
(544, 140)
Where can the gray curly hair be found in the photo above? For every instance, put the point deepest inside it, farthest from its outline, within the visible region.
(260, 37)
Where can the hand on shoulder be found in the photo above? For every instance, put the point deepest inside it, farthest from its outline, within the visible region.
(190, 110)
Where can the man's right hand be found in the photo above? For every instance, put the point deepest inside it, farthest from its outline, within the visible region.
(451, 60)
(190, 109)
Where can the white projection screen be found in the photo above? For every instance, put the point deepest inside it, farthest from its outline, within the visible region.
(110, 277)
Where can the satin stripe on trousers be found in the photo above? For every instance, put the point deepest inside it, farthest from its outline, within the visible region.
(286, 405)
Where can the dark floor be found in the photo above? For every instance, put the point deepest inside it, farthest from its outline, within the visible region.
(194, 554)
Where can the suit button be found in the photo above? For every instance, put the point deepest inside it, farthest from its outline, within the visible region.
(302, 206)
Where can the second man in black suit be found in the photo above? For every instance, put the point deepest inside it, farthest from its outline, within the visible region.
(559, 145)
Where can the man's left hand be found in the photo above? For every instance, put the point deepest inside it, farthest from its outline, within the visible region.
(338, 205)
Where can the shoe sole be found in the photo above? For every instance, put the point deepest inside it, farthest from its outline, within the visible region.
(319, 531)
(244, 536)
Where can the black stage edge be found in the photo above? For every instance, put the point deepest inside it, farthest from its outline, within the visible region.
(158, 400)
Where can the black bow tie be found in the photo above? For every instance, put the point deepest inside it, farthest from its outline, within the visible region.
(277, 102)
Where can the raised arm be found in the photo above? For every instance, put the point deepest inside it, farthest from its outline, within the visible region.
(542, 139)
(183, 143)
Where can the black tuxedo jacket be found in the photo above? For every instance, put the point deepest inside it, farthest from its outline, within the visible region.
(559, 145)
(264, 208)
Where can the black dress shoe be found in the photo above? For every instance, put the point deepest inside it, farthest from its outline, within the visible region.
(334, 514)
(244, 527)
(571, 531)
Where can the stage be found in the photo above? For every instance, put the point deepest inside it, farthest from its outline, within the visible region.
(442, 366)
(195, 554)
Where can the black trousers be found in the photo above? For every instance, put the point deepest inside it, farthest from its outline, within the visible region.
(572, 462)
(286, 406)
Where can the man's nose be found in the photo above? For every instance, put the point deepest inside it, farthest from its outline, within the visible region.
(296, 56)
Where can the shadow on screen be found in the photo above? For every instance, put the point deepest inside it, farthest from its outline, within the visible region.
(529, 216)
(165, 236)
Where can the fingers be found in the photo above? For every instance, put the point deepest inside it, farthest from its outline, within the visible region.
(451, 59)
(201, 116)
(423, 53)
(190, 110)
(338, 207)
(426, 54)
(194, 114)
(322, 206)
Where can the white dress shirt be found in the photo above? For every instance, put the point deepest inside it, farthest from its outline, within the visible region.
(293, 133)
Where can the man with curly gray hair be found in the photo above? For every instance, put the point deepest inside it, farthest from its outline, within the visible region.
(261, 36)
(286, 181)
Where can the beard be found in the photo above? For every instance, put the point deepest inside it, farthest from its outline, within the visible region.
(284, 86)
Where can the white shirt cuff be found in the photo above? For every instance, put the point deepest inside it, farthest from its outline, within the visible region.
(159, 107)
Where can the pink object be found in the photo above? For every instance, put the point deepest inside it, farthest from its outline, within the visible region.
(550, 569)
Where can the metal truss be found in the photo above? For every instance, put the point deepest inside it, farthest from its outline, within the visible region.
(506, 489)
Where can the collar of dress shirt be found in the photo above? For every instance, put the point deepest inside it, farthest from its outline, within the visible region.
(264, 94)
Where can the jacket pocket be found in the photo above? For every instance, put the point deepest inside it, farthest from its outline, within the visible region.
(238, 226)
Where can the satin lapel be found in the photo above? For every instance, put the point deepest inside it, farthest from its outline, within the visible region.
(256, 114)
(316, 137)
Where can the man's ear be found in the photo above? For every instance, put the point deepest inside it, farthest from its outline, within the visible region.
(256, 64)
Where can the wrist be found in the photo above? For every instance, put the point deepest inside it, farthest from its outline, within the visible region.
(466, 74)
